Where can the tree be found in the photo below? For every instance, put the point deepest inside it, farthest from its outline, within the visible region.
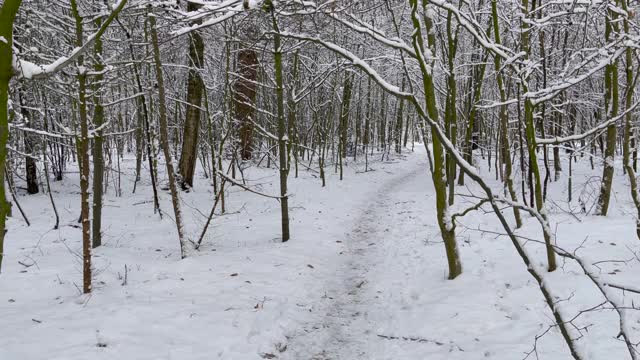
(282, 126)
(97, 148)
(188, 157)
(8, 13)
(82, 142)
(164, 137)
(244, 97)
(611, 106)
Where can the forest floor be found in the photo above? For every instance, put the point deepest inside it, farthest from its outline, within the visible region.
(363, 277)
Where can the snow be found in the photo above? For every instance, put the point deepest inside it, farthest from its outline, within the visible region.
(29, 70)
(255, 4)
(356, 61)
(363, 277)
(228, 8)
(374, 33)
(430, 12)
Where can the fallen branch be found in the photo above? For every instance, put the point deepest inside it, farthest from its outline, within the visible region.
(234, 182)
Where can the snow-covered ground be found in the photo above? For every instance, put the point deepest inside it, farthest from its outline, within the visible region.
(363, 277)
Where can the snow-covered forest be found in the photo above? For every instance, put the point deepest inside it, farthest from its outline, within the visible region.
(319, 180)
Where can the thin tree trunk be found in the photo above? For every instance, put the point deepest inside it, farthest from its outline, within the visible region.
(504, 117)
(611, 109)
(30, 162)
(98, 156)
(451, 112)
(143, 123)
(531, 142)
(470, 142)
(399, 121)
(345, 108)
(83, 156)
(630, 83)
(164, 137)
(282, 128)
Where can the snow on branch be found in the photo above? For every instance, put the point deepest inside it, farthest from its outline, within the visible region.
(594, 130)
(21, 127)
(28, 70)
(228, 8)
(355, 60)
(609, 54)
(476, 31)
(374, 33)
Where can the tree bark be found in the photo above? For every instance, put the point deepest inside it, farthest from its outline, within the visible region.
(504, 117)
(189, 154)
(282, 128)
(7, 16)
(530, 133)
(611, 109)
(164, 137)
(631, 173)
(447, 229)
(451, 112)
(97, 150)
(83, 155)
(244, 97)
(30, 162)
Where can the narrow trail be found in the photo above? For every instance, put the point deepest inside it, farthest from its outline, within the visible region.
(344, 329)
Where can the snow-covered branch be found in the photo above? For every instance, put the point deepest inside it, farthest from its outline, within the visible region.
(28, 70)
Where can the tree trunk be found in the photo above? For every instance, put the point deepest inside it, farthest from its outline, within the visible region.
(189, 154)
(447, 229)
(143, 123)
(344, 115)
(611, 110)
(470, 141)
(7, 16)
(244, 97)
(530, 133)
(399, 121)
(98, 156)
(631, 173)
(29, 161)
(282, 128)
(451, 113)
(504, 117)
(164, 137)
(83, 156)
